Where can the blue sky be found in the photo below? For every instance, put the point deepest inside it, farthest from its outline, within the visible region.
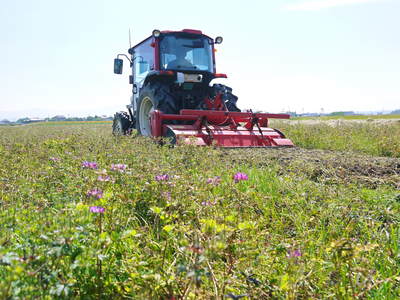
(56, 56)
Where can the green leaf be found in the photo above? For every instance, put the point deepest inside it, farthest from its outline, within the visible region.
(284, 285)
(168, 228)
(156, 210)
(246, 225)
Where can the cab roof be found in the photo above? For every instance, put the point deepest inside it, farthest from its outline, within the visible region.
(190, 31)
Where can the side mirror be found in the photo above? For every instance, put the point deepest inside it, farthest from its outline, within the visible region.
(118, 63)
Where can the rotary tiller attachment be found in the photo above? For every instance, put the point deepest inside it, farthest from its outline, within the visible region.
(220, 128)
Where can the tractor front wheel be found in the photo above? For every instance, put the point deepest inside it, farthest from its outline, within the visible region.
(121, 124)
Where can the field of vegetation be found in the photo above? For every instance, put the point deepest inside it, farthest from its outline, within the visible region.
(370, 137)
(87, 215)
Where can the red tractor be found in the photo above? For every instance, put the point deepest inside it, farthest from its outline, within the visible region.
(172, 96)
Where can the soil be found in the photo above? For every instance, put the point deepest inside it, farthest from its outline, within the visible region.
(323, 165)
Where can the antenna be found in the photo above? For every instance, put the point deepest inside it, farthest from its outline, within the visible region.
(130, 44)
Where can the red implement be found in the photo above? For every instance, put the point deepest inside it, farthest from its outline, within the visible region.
(220, 128)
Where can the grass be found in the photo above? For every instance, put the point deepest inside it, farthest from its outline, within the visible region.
(368, 138)
(279, 234)
(360, 117)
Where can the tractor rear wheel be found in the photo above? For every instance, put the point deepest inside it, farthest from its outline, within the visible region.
(154, 96)
(227, 96)
(121, 124)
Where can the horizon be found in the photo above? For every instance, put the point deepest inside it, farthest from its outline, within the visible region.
(68, 116)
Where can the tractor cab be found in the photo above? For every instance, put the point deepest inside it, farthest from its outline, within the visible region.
(174, 56)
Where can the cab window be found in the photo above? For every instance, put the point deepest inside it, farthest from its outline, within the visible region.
(143, 60)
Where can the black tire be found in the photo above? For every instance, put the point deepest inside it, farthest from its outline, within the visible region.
(153, 96)
(227, 96)
(121, 124)
(170, 138)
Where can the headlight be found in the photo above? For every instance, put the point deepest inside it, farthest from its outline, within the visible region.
(156, 33)
(218, 40)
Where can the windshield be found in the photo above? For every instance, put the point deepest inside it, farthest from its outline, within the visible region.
(186, 53)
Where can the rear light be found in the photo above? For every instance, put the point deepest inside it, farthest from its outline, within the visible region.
(220, 75)
(167, 73)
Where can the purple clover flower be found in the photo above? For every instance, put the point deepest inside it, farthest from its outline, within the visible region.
(240, 176)
(164, 177)
(214, 181)
(97, 209)
(55, 159)
(97, 193)
(104, 178)
(89, 165)
(118, 167)
(294, 253)
(208, 203)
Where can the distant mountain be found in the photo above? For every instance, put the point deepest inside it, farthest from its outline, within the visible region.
(4, 122)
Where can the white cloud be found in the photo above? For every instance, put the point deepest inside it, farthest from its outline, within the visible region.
(321, 4)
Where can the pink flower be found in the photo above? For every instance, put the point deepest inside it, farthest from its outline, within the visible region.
(97, 209)
(89, 165)
(240, 176)
(97, 193)
(118, 167)
(104, 178)
(208, 203)
(214, 181)
(55, 159)
(164, 177)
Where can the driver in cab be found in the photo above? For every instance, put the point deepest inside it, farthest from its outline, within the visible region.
(180, 62)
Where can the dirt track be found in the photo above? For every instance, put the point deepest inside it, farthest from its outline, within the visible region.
(325, 165)
(339, 122)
